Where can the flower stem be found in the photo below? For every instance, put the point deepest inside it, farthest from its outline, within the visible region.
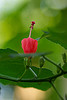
(32, 24)
(29, 64)
(53, 63)
(30, 32)
(56, 91)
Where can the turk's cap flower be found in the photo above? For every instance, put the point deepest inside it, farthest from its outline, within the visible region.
(29, 44)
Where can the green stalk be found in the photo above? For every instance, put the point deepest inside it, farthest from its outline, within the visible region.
(53, 63)
(33, 72)
(56, 91)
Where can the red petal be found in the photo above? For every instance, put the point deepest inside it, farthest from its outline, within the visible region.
(29, 45)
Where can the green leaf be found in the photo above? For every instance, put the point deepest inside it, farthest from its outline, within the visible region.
(65, 69)
(12, 67)
(45, 73)
(6, 52)
(58, 37)
(43, 35)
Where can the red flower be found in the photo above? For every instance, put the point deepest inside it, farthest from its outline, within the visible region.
(29, 45)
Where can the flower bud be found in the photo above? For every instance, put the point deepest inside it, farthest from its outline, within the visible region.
(64, 57)
(41, 61)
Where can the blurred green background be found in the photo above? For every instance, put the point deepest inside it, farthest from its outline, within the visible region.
(15, 20)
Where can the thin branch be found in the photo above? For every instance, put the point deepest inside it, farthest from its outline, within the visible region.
(22, 74)
(56, 91)
(53, 63)
(33, 72)
(33, 80)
